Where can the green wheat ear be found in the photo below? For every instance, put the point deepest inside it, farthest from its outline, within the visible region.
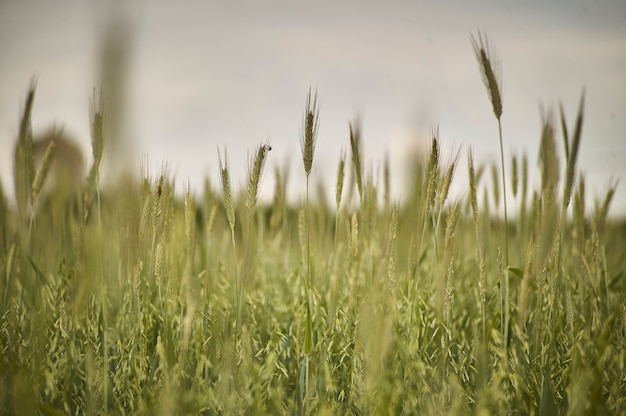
(355, 146)
(473, 184)
(24, 163)
(97, 120)
(42, 171)
(97, 127)
(255, 173)
(548, 159)
(339, 189)
(340, 178)
(488, 69)
(491, 78)
(571, 150)
(227, 192)
(309, 138)
(432, 170)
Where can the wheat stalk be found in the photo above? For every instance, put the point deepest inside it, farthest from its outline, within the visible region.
(579, 212)
(392, 235)
(432, 170)
(97, 127)
(473, 185)
(157, 206)
(603, 210)
(307, 144)
(522, 302)
(514, 175)
(96, 116)
(189, 217)
(277, 218)
(339, 189)
(387, 182)
(227, 192)
(491, 78)
(548, 160)
(524, 192)
(482, 281)
(447, 181)
(496, 185)
(451, 223)
(255, 173)
(42, 171)
(449, 295)
(572, 152)
(143, 219)
(340, 178)
(355, 146)
(229, 207)
(442, 197)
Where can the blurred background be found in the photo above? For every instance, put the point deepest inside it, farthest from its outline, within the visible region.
(186, 77)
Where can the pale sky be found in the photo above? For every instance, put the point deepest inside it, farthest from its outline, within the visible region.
(208, 73)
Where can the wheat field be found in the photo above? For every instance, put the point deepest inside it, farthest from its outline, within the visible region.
(135, 300)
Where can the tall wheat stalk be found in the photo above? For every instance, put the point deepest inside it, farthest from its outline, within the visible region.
(571, 154)
(229, 207)
(442, 197)
(255, 174)
(97, 119)
(307, 144)
(431, 179)
(491, 79)
(482, 282)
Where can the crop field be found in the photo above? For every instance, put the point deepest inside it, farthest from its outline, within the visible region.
(141, 299)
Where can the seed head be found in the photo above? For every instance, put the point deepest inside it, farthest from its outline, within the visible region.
(488, 68)
(311, 123)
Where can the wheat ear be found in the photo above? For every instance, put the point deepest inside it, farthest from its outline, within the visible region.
(24, 164)
(488, 68)
(255, 173)
(309, 137)
(355, 145)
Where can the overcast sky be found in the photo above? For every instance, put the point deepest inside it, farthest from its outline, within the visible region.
(208, 73)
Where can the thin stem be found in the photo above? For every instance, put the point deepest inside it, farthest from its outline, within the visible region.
(336, 224)
(308, 244)
(98, 199)
(31, 222)
(436, 230)
(239, 292)
(308, 339)
(506, 222)
(506, 242)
